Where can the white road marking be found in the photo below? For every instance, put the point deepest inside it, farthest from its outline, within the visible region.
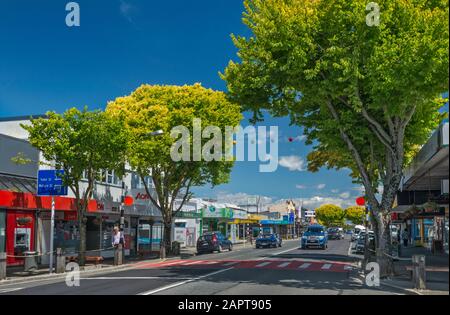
(9, 290)
(326, 266)
(284, 264)
(263, 264)
(304, 266)
(231, 263)
(210, 262)
(135, 278)
(170, 263)
(183, 282)
(193, 263)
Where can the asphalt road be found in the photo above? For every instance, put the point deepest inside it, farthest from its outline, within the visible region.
(247, 271)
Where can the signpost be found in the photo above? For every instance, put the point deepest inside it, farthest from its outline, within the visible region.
(50, 183)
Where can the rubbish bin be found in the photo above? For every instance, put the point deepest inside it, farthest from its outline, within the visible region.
(30, 261)
(176, 248)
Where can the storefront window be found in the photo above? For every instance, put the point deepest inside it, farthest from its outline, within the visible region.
(67, 236)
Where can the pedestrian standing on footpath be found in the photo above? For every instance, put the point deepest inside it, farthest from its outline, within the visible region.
(116, 237)
(405, 237)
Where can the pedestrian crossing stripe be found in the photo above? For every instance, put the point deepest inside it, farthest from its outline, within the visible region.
(304, 266)
(284, 264)
(326, 266)
(263, 264)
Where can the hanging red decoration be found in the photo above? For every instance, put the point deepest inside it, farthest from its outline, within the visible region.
(128, 201)
(360, 201)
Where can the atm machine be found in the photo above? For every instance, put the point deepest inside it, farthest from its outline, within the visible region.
(22, 241)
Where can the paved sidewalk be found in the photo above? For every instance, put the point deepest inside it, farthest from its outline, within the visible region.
(437, 272)
(17, 275)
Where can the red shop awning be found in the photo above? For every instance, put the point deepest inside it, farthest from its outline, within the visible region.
(29, 201)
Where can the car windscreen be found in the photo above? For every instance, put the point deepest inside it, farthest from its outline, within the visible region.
(206, 237)
(315, 230)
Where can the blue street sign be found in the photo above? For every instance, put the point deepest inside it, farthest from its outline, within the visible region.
(50, 183)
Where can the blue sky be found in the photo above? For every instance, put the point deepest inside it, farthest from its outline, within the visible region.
(45, 65)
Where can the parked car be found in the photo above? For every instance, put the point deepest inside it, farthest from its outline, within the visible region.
(361, 243)
(213, 241)
(316, 236)
(268, 240)
(335, 234)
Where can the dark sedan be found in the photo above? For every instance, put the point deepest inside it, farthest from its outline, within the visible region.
(268, 240)
(334, 234)
(213, 241)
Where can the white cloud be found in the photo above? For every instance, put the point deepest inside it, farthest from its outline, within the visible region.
(241, 198)
(317, 201)
(321, 186)
(293, 163)
(334, 191)
(127, 9)
(345, 195)
(300, 186)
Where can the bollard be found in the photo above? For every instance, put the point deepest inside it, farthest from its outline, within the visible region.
(60, 261)
(162, 251)
(2, 266)
(419, 272)
(118, 255)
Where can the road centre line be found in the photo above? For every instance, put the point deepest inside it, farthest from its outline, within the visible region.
(183, 282)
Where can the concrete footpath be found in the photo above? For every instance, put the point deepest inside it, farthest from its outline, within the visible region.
(437, 272)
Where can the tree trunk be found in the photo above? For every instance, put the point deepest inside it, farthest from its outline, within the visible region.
(168, 237)
(82, 250)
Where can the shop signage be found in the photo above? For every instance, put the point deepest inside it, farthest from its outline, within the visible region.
(188, 214)
(239, 214)
(227, 213)
(211, 212)
(50, 183)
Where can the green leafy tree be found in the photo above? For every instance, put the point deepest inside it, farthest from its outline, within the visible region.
(151, 108)
(330, 215)
(366, 96)
(80, 142)
(355, 214)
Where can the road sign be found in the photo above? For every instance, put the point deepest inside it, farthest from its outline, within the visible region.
(50, 183)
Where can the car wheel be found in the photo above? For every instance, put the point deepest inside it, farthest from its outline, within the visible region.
(230, 248)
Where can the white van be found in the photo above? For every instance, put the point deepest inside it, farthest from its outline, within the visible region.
(356, 231)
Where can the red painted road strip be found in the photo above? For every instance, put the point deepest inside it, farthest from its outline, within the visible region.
(254, 264)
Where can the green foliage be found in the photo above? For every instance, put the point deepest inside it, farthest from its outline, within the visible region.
(80, 141)
(304, 54)
(330, 215)
(151, 108)
(355, 214)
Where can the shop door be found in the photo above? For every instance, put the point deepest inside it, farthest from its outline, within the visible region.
(20, 235)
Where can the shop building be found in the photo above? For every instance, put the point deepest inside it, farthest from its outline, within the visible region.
(422, 204)
(25, 217)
